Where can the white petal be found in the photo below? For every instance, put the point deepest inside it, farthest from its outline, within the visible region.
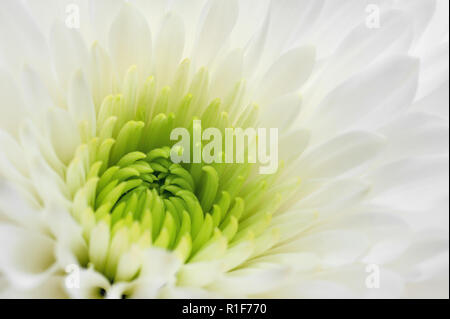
(169, 48)
(198, 274)
(70, 244)
(63, 133)
(190, 11)
(13, 152)
(27, 257)
(428, 245)
(335, 195)
(299, 138)
(300, 262)
(99, 244)
(159, 263)
(282, 112)
(34, 144)
(101, 74)
(250, 281)
(363, 46)
(10, 172)
(287, 74)
(380, 226)
(362, 94)
(45, 12)
(153, 10)
(421, 11)
(288, 21)
(437, 30)
(103, 14)
(28, 44)
(252, 16)
(315, 289)
(435, 284)
(415, 134)
(51, 288)
(35, 93)
(130, 41)
(437, 212)
(216, 28)
(354, 277)
(48, 184)
(340, 155)
(255, 49)
(237, 255)
(158, 269)
(13, 109)
(292, 223)
(12, 50)
(411, 184)
(227, 74)
(129, 264)
(119, 290)
(80, 102)
(436, 102)
(68, 51)
(13, 206)
(388, 249)
(174, 292)
(433, 70)
(334, 247)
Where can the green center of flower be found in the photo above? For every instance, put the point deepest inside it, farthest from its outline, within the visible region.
(128, 195)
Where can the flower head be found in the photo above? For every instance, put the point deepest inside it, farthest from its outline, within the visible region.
(93, 203)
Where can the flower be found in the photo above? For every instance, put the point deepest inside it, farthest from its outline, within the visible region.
(91, 204)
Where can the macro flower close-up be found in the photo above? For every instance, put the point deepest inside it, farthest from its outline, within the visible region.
(224, 149)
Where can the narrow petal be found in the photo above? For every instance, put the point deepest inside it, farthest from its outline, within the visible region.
(334, 247)
(282, 112)
(13, 108)
(64, 134)
(51, 288)
(35, 93)
(364, 93)
(227, 74)
(363, 46)
(251, 280)
(169, 48)
(419, 180)
(88, 284)
(415, 134)
(80, 102)
(68, 51)
(130, 41)
(339, 155)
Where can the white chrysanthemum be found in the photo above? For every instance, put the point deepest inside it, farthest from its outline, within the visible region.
(92, 206)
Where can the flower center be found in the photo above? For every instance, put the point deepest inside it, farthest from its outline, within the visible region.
(128, 195)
